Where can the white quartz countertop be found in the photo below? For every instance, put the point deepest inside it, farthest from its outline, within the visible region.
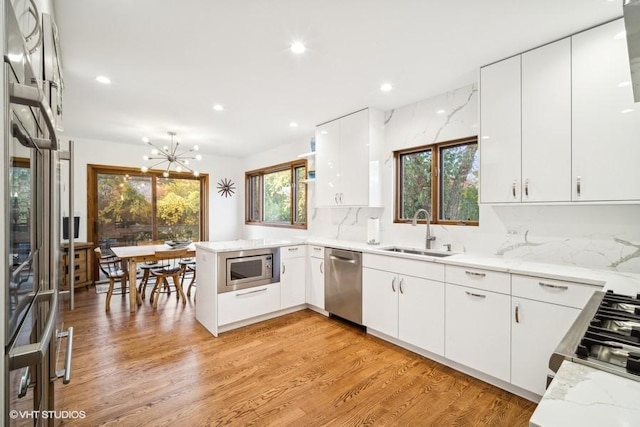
(587, 397)
(242, 244)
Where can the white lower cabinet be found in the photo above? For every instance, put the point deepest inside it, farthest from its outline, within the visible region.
(293, 275)
(404, 307)
(248, 303)
(478, 330)
(542, 312)
(315, 290)
(536, 329)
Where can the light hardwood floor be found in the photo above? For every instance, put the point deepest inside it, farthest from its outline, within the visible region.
(162, 368)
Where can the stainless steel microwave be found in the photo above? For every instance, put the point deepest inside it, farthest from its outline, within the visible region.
(248, 268)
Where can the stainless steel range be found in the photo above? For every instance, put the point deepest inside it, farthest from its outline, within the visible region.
(605, 336)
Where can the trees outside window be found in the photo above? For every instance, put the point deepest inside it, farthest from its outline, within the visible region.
(441, 178)
(277, 195)
(128, 207)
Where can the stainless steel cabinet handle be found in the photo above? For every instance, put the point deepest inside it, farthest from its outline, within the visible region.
(251, 292)
(475, 295)
(284, 268)
(322, 267)
(341, 194)
(393, 284)
(293, 249)
(513, 188)
(343, 259)
(317, 249)
(578, 189)
(526, 188)
(549, 285)
(473, 273)
(65, 373)
(401, 282)
(34, 97)
(517, 313)
(335, 198)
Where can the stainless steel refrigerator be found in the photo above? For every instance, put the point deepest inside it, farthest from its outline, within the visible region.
(37, 348)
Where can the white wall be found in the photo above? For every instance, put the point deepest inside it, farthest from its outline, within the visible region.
(223, 212)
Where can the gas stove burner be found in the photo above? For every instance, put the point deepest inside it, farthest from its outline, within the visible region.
(606, 336)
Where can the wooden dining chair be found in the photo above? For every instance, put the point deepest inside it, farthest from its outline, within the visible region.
(111, 266)
(146, 267)
(171, 269)
(188, 266)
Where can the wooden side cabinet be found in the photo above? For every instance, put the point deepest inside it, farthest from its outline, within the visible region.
(82, 265)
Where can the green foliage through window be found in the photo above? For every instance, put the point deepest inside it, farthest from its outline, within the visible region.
(277, 195)
(441, 178)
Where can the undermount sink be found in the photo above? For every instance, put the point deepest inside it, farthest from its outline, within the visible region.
(417, 252)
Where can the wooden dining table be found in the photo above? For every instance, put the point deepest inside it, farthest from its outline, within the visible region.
(144, 253)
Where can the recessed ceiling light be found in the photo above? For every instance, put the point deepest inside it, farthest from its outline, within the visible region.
(298, 47)
(386, 87)
(624, 84)
(323, 132)
(145, 139)
(103, 79)
(218, 107)
(627, 110)
(293, 124)
(441, 111)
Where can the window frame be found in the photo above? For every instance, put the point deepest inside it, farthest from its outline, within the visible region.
(260, 173)
(435, 181)
(92, 203)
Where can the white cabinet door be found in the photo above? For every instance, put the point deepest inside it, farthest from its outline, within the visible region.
(328, 163)
(292, 282)
(380, 301)
(315, 291)
(535, 333)
(605, 120)
(354, 159)
(500, 146)
(421, 313)
(546, 123)
(478, 330)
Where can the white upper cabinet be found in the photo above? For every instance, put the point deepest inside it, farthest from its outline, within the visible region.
(500, 132)
(606, 122)
(348, 160)
(546, 123)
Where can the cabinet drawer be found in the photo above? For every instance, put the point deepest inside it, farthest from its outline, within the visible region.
(409, 267)
(488, 280)
(248, 303)
(293, 251)
(559, 292)
(316, 251)
(79, 279)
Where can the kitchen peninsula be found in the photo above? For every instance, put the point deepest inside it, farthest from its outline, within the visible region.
(248, 301)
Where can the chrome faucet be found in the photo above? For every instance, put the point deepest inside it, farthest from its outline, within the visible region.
(429, 238)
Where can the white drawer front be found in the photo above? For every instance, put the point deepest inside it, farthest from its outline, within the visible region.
(316, 251)
(287, 252)
(494, 281)
(409, 267)
(558, 292)
(248, 303)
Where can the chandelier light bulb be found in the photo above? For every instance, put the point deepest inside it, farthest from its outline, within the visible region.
(154, 152)
(165, 174)
(145, 139)
(144, 169)
(196, 148)
(165, 148)
(178, 169)
(145, 157)
(196, 173)
(198, 157)
(186, 162)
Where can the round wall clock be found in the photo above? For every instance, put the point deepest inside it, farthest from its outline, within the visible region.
(226, 188)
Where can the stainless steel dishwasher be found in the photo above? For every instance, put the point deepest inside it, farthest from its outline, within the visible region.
(343, 284)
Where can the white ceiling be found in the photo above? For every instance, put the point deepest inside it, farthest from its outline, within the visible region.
(170, 61)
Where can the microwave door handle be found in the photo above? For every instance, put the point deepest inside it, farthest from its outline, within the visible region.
(33, 97)
(32, 354)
